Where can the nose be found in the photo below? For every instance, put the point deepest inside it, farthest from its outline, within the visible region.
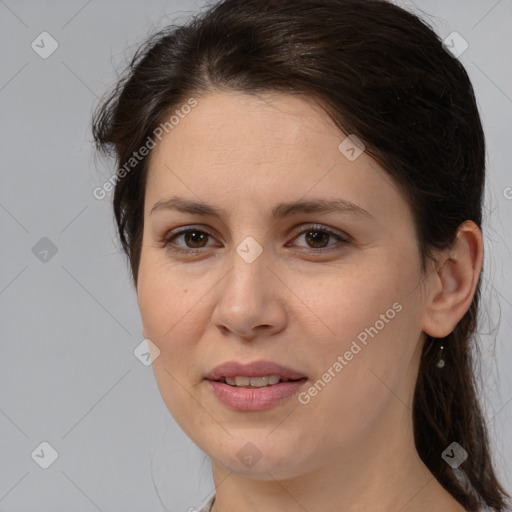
(251, 300)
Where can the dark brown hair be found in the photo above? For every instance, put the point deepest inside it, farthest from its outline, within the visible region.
(381, 74)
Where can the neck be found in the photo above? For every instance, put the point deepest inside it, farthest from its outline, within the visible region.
(381, 472)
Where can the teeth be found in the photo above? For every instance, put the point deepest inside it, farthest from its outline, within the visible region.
(242, 381)
(255, 382)
(273, 379)
(258, 382)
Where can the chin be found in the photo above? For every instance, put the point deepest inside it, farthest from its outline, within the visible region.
(256, 456)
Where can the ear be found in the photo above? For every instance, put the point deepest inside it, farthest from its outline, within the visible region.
(452, 284)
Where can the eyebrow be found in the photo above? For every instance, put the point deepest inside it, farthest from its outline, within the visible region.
(280, 211)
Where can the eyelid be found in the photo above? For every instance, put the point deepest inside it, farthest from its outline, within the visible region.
(173, 234)
(341, 237)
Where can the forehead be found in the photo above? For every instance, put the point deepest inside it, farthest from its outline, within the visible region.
(246, 124)
(260, 149)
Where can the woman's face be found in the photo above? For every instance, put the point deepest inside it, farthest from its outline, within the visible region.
(300, 253)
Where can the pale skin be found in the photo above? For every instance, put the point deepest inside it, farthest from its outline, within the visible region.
(352, 444)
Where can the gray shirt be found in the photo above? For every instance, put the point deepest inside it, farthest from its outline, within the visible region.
(208, 505)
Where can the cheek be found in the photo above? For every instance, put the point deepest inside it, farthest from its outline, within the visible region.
(165, 296)
(166, 305)
(373, 324)
(169, 309)
(350, 301)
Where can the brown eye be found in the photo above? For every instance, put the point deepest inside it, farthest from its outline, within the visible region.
(317, 239)
(195, 239)
(191, 239)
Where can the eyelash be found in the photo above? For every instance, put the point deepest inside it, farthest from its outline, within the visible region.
(169, 237)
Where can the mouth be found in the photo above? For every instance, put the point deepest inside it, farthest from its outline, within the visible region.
(254, 386)
(242, 381)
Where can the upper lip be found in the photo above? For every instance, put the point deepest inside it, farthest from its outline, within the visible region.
(254, 369)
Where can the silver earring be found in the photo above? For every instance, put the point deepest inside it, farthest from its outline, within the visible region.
(440, 362)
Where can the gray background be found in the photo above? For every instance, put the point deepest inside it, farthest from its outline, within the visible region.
(69, 320)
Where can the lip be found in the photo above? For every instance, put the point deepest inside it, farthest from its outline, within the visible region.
(254, 369)
(253, 399)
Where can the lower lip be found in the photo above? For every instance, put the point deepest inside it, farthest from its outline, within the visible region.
(254, 399)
